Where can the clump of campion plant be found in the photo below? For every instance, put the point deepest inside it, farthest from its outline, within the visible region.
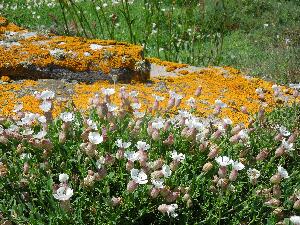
(148, 167)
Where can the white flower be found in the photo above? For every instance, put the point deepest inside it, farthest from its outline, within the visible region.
(141, 145)
(139, 114)
(13, 128)
(175, 95)
(63, 177)
(108, 91)
(46, 106)
(287, 146)
(253, 173)
(227, 121)
(224, 160)
(177, 157)
(45, 95)
(158, 183)
(284, 132)
(283, 172)
(236, 165)
(259, 91)
(171, 210)
(122, 144)
(1, 130)
(295, 220)
(42, 119)
(135, 106)
(92, 124)
(25, 156)
(40, 134)
(191, 102)
(63, 194)
(67, 116)
(28, 119)
(100, 162)
(27, 131)
(194, 123)
(111, 107)
(139, 176)
(132, 156)
(219, 103)
(133, 94)
(96, 47)
(95, 138)
(243, 134)
(166, 170)
(158, 98)
(158, 123)
(18, 107)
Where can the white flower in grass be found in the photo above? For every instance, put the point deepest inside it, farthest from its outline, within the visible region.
(100, 162)
(135, 106)
(122, 144)
(92, 124)
(63, 194)
(220, 104)
(139, 176)
(243, 134)
(194, 123)
(108, 91)
(42, 119)
(132, 156)
(111, 107)
(289, 147)
(169, 209)
(295, 86)
(28, 118)
(259, 91)
(158, 123)
(227, 121)
(177, 157)
(95, 138)
(27, 131)
(166, 170)
(158, 98)
(63, 177)
(133, 94)
(139, 114)
(284, 131)
(283, 172)
(40, 135)
(67, 116)
(175, 95)
(295, 220)
(13, 128)
(236, 165)
(253, 173)
(143, 146)
(224, 160)
(158, 183)
(46, 106)
(18, 108)
(45, 95)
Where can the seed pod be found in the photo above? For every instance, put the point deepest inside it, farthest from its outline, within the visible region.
(262, 155)
(297, 204)
(154, 192)
(207, 167)
(275, 179)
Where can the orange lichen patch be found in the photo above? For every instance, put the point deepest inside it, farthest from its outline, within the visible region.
(72, 53)
(6, 26)
(183, 72)
(5, 78)
(9, 98)
(170, 66)
(232, 88)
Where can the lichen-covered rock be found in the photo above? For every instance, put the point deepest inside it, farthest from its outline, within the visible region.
(29, 55)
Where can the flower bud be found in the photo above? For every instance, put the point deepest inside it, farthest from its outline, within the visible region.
(207, 167)
(276, 191)
(262, 155)
(222, 172)
(279, 151)
(186, 197)
(115, 201)
(273, 202)
(213, 152)
(189, 203)
(62, 137)
(222, 183)
(278, 137)
(26, 168)
(275, 179)
(154, 192)
(297, 204)
(129, 165)
(233, 175)
(198, 91)
(293, 137)
(131, 186)
(244, 110)
(155, 135)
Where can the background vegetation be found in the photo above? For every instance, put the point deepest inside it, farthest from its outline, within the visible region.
(261, 37)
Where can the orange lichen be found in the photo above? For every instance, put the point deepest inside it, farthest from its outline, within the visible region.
(183, 72)
(170, 66)
(5, 78)
(74, 53)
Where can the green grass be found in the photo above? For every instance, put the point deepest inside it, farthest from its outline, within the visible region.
(260, 37)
